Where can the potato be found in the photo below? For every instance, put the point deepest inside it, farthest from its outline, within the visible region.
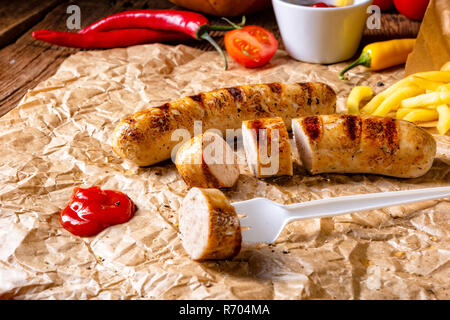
(443, 88)
(393, 101)
(379, 98)
(422, 98)
(439, 76)
(444, 119)
(421, 115)
(402, 112)
(428, 124)
(446, 67)
(426, 84)
(427, 99)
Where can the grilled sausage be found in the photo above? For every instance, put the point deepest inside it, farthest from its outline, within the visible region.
(207, 161)
(363, 144)
(267, 148)
(209, 226)
(145, 137)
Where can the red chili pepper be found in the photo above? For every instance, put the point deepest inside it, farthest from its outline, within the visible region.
(92, 210)
(191, 23)
(108, 39)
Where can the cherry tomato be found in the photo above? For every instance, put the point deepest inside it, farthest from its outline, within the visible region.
(322, 5)
(413, 9)
(251, 46)
(384, 4)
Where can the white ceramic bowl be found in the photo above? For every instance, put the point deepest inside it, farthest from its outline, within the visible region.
(320, 35)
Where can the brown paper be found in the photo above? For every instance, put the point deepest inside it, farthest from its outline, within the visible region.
(59, 138)
(432, 49)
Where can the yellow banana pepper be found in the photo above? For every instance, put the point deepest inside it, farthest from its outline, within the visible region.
(382, 55)
(355, 97)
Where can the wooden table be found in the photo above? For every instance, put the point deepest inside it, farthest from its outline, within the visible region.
(24, 62)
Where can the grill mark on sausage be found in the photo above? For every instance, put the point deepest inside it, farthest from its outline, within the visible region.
(373, 128)
(198, 98)
(391, 134)
(165, 107)
(129, 120)
(353, 126)
(275, 87)
(162, 121)
(133, 134)
(313, 127)
(220, 101)
(384, 132)
(236, 92)
(257, 125)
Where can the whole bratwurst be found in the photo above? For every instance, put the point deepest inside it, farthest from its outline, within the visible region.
(145, 137)
(363, 144)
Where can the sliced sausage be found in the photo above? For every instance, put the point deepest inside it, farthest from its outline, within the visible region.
(207, 161)
(145, 137)
(363, 144)
(267, 147)
(209, 225)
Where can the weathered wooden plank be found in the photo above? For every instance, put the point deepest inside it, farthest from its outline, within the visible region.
(26, 62)
(393, 26)
(16, 17)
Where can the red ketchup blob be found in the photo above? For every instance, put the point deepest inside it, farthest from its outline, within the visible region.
(92, 210)
(322, 5)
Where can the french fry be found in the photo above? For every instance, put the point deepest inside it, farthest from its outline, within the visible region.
(422, 98)
(443, 88)
(355, 97)
(393, 101)
(426, 84)
(402, 112)
(444, 119)
(438, 76)
(446, 67)
(421, 115)
(428, 124)
(427, 99)
(373, 104)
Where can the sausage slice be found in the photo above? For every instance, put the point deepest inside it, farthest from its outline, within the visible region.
(209, 225)
(363, 144)
(267, 147)
(207, 161)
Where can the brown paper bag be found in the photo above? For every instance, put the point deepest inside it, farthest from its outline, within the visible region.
(432, 49)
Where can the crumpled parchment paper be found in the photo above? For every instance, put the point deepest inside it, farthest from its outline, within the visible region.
(58, 138)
